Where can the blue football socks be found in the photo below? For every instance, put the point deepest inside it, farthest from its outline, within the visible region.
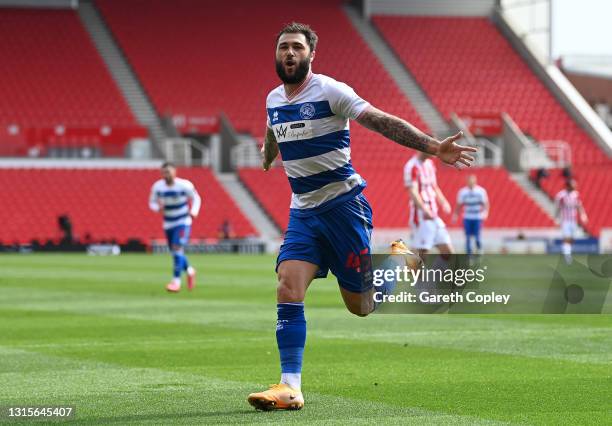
(291, 338)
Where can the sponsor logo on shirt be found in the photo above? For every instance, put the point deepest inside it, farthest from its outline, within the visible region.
(281, 132)
(293, 131)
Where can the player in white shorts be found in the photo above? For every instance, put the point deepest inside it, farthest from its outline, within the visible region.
(427, 229)
(568, 206)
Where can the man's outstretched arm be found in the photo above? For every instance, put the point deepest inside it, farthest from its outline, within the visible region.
(405, 134)
(269, 149)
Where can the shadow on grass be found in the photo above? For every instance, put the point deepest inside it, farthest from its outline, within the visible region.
(208, 415)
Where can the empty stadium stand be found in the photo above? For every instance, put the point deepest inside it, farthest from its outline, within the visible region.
(593, 185)
(465, 65)
(205, 66)
(55, 90)
(272, 191)
(227, 82)
(241, 74)
(510, 206)
(103, 204)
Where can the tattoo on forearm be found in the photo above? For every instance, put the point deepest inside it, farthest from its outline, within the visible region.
(397, 130)
(270, 146)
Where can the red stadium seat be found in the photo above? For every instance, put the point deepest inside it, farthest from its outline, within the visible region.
(206, 67)
(52, 76)
(202, 85)
(275, 202)
(466, 66)
(510, 206)
(106, 204)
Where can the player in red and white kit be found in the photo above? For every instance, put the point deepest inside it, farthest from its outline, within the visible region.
(568, 206)
(427, 229)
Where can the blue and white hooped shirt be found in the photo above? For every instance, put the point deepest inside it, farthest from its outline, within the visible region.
(174, 201)
(312, 131)
(473, 201)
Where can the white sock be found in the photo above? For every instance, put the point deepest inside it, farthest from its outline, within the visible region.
(566, 249)
(190, 270)
(176, 281)
(293, 380)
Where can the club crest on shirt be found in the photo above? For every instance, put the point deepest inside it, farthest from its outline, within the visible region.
(307, 111)
(275, 116)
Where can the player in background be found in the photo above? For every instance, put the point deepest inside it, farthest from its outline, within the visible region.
(474, 201)
(568, 206)
(330, 221)
(427, 228)
(171, 197)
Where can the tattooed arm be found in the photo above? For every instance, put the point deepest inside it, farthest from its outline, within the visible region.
(405, 134)
(397, 130)
(269, 149)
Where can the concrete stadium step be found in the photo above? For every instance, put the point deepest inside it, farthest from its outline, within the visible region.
(537, 195)
(399, 73)
(121, 71)
(249, 206)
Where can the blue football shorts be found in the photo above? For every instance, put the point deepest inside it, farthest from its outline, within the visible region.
(472, 227)
(178, 236)
(334, 240)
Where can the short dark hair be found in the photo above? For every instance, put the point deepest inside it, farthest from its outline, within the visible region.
(295, 28)
(168, 164)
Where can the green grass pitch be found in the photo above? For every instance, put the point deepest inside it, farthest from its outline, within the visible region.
(101, 334)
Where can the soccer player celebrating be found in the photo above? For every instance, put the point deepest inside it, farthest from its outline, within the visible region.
(330, 221)
(427, 228)
(568, 205)
(474, 200)
(170, 196)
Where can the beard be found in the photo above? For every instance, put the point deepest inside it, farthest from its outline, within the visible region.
(301, 71)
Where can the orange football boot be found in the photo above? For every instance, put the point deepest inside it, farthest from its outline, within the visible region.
(278, 397)
(413, 261)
